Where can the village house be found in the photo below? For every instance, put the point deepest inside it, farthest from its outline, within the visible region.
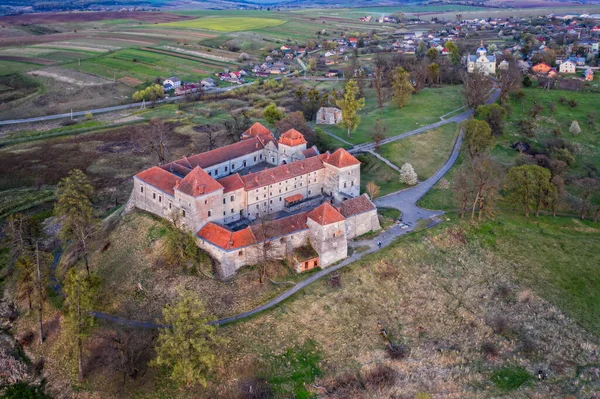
(260, 195)
(542, 68)
(567, 67)
(171, 83)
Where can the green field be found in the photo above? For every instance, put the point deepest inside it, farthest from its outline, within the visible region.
(425, 108)
(144, 66)
(372, 169)
(426, 152)
(227, 24)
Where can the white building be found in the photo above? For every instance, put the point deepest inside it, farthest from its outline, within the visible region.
(210, 191)
(567, 67)
(172, 83)
(481, 61)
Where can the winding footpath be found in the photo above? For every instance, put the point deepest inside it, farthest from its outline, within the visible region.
(405, 201)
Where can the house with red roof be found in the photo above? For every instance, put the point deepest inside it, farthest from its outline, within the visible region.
(215, 192)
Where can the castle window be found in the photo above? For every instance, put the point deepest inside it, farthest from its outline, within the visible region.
(309, 192)
(224, 201)
(231, 198)
(261, 157)
(345, 184)
(352, 183)
(160, 198)
(205, 202)
(271, 201)
(279, 191)
(141, 189)
(183, 213)
(272, 160)
(265, 196)
(232, 166)
(240, 253)
(254, 159)
(257, 206)
(282, 240)
(170, 204)
(279, 199)
(257, 198)
(224, 213)
(209, 213)
(153, 195)
(231, 210)
(225, 168)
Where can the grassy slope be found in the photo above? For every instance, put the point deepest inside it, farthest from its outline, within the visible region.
(587, 142)
(227, 24)
(559, 257)
(372, 169)
(426, 152)
(424, 109)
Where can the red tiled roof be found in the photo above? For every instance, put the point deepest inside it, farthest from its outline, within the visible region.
(294, 198)
(340, 158)
(197, 183)
(354, 206)
(176, 169)
(231, 183)
(225, 238)
(310, 152)
(223, 154)
(292, 138)
(280, 227)
(282, 172)
(256, 130)
(159, 178)
(325, 214)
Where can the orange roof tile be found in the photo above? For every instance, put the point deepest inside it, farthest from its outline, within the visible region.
(159, 178)
(294, 198)
(197, 183)
(231, 183)
(225, 238)
(256, 130)
(292, 138)
(340, 158)
(280, 227)
(325, 214)
(282, 172)
(224, 154)
(354, 206)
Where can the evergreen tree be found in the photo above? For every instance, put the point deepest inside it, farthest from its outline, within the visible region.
(80, 294)
(351, 106)
(187, 345)
(272, 114)
(74, 206)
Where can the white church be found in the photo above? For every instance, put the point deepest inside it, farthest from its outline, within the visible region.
(481, 61)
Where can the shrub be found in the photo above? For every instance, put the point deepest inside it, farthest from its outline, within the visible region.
(398, 351)
(510, 378)
(574, 129)
(488, 349)
(380, 377)
(408, 175)
(68, 122)
(572, 103)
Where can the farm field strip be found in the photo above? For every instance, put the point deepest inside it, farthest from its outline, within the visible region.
(187, 57)
(76, 47)
(38, 61)
(199, 54)
(169, 32)
(228, 24)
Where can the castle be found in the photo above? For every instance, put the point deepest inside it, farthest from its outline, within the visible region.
(481, 61)
(262, 197)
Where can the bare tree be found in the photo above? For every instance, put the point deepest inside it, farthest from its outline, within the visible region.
(462, 188)
(378, 84)
(589, 187)
(239, 123)
(486, 181)
(509, 79)
(476, 89)
(159, 136)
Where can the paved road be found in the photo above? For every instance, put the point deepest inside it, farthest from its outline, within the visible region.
(108, 109)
